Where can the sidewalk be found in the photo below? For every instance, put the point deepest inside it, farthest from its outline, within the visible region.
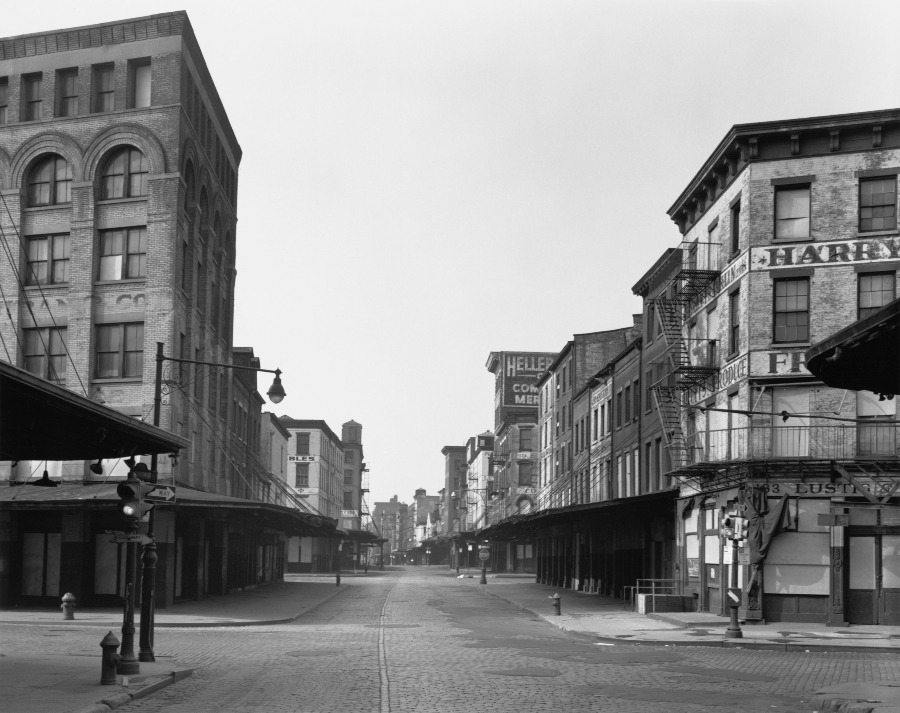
(48, 680)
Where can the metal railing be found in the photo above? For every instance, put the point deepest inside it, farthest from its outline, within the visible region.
(653, 587)
(878, 439)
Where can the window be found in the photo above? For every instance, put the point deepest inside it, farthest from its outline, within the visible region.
(301, 476)
(4, 100)
(876, 289)
(45, 353)
(47, 260)
(32, 101)
(120, 350)
(877, 428)
(735, 228)
(627, 397)
(139, 84)
(791, 212)
(67, 92)
(878, 203)
(636, 394)
(123, 254)
(792, 310)
(348, 501)
(104, 88)
(348, 476)
(50, 182)
(525, 439)
(526, 473)
(125, 175)
(348, 456)
(302, 444)
(734, 322)
(619, 410)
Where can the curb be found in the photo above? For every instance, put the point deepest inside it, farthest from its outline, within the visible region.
(188, 624)
(104, 705)
(722, 644)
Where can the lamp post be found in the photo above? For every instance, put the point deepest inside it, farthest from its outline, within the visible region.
(149, 557)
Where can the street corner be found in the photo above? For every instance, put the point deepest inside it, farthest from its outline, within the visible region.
(132, 688)
(858, 698)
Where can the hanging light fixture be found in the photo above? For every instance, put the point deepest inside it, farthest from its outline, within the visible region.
(276, 390)
(97, 467)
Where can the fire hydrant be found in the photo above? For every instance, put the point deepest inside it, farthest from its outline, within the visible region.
(557, 603)
(68, 605)
(110, 659)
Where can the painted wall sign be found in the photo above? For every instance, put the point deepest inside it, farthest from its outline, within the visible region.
(734, 271)
(826, 254)
(600, 394)
(519, 375)
(735, 371)
(301, 459)
(782, 363)
(813, 490)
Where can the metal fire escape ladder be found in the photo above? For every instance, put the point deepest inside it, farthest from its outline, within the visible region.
(686, 287)
(876, 488)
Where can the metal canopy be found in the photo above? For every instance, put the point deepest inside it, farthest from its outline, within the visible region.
(862, 357)
(43, 421)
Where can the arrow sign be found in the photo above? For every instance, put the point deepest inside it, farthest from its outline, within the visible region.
(734, 594)
(162, 494)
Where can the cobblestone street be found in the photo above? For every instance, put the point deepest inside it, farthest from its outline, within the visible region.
(422, 641)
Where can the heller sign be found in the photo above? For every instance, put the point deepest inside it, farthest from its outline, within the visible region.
(519, 378)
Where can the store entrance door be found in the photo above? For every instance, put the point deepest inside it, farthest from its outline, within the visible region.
(875, 579)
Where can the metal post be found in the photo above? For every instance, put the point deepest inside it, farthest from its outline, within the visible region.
(128, 664)
(483, 579)
(734, 628)
(149, 556)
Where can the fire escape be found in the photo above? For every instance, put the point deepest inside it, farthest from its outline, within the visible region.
(686, 288)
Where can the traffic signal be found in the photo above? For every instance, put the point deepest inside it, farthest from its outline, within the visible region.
(727, 528)
(741, 528)
(133, 506)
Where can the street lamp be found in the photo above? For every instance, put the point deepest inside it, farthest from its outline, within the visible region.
(276, 395)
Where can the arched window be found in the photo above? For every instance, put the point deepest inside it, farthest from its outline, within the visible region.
(125, 175)
(50, 182)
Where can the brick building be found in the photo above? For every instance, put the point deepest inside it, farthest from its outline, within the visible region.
(789, 234)
(118, 180)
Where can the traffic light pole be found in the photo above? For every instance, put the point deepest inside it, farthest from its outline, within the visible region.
(128, 665)
(734, 627)
(149, 556)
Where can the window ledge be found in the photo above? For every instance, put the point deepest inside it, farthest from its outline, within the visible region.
(876, 233)
(788, 241)
(113, 201)
(48, 206)
(117, 380)
(782, 345)
(47, 286)
(731, 357)
(127, 280)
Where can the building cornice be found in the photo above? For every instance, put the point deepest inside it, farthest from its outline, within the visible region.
(778, 140)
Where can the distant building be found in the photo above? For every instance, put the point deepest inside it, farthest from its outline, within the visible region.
(389, 519)
(316, 474)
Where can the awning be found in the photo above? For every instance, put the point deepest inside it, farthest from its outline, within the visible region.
(525, 525)
(862, 357)
(102, 496)
(43, 421)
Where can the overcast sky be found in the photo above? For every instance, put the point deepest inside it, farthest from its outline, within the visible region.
(425, 182)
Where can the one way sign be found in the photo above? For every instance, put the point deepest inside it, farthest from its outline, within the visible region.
(734, 596)
(162, 494)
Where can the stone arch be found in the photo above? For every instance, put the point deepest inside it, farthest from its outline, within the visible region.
(40, 145)
(189, 177)
(524, 504)
(124, 135)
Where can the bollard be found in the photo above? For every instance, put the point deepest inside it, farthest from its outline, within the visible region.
(68, 606)
(110, 659)
(337, 579)
(557, 604)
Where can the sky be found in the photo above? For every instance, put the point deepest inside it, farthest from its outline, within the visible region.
(424, 182)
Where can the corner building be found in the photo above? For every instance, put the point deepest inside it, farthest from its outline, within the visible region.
(789, 234)
(118, 179)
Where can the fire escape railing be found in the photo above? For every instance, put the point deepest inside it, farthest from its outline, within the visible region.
(697, 277)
